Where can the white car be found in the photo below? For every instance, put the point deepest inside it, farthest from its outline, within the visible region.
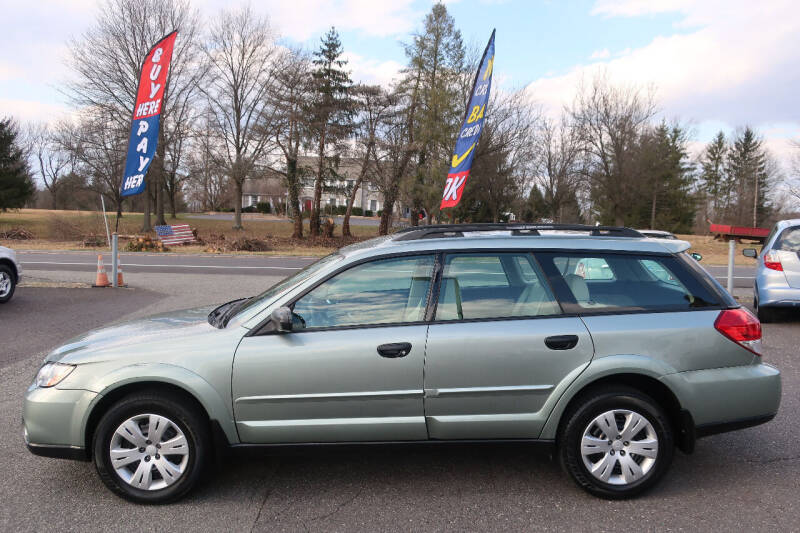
(10, 273)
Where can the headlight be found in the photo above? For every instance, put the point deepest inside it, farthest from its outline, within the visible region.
(52, 374)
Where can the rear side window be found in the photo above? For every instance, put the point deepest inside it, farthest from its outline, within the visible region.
(613, 282)
(788, 240)
(501, 285)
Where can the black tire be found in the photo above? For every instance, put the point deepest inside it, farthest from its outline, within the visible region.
(593, 404)
(7, 271)
(189, 420)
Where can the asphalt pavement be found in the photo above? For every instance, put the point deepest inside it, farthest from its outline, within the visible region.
(740, 481)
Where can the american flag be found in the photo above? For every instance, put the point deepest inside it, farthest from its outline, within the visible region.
(175, 234)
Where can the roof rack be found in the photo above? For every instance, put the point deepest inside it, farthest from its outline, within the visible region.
(434, 231)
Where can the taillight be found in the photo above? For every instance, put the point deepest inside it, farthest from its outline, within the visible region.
(773, 261)
(740, 326)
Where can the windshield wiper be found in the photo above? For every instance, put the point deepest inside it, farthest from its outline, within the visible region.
(215, 317)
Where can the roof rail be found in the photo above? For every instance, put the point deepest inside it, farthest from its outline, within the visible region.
(434, 231)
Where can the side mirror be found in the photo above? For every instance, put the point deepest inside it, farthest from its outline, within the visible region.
(750, 252)
(696, 256)
(282, 319)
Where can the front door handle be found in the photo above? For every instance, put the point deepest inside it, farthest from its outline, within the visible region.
(561, 342)
(394, 349)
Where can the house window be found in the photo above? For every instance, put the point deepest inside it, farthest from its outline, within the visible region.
(373, 205)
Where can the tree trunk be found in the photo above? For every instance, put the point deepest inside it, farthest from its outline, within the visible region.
(653, 211)
(237, 208)
(172, 210)
(346, 221)
(314, 220)
(146, 227)
(388, 205)
(293, 200)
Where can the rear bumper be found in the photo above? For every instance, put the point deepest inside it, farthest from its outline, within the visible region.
(774, 290)
(726, 399)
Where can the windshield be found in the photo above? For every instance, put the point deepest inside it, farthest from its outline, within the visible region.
(287, 283)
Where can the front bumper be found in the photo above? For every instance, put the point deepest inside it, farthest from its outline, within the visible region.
(54, 421)
(725, 399)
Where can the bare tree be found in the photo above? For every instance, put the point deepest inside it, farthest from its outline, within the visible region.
(557, 164)
(206, 178)
(52, 161)
(610, 120)
(395, 148)
(241, 50)
(124, 32)
(289, 99)
(98, 145)
(372, 106)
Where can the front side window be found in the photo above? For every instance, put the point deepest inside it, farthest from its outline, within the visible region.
(385, 291)
(608, 282)
(504, 285)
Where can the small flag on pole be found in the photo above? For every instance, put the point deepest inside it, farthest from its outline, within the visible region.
(178, 234)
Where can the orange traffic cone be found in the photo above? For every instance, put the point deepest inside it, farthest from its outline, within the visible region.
(102, 277)
(120, 283)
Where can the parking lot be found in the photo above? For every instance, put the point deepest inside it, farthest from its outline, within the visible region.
(746, 480)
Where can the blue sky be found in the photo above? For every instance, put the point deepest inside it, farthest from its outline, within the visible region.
(715, 64)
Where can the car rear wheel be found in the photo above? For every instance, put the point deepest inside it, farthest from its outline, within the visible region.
(616, 443)
(151, 447)
(7, 284)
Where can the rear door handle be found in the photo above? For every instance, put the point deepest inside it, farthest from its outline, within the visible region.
(561, 342)
(394, 349)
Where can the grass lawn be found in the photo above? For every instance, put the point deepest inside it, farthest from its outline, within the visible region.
(67, 230)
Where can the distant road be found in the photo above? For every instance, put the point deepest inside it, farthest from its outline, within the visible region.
(233, 264)
(166, 263)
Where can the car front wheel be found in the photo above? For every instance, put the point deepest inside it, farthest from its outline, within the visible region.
(617, 443)
(7, 284)
(151, 447)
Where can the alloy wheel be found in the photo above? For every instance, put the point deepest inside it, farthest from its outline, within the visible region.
(619, 447)
(149, 452)
(5, 284)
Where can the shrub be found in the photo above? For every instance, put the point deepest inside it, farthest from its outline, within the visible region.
(357, 211)
(264, 207)
(249, 209)
(367, 213)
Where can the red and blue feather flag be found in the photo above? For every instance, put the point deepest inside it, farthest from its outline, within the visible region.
(147, 114)
(470, 131)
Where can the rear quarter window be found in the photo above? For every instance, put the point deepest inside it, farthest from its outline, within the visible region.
(608, 282)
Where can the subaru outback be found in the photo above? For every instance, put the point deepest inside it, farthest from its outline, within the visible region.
(435, 333)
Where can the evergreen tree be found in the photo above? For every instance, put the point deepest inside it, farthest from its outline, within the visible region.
(747, 168)
(16, 183)
(330, 113)
(668, 202)
(715, 182)
(436, 63)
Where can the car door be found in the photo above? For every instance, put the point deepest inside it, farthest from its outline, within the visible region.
(499, 351)
(787, 247)
(351, 370)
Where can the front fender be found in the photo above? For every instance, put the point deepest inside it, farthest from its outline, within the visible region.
(217, 407)
(598, 369)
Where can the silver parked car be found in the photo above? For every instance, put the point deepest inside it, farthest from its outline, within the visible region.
(10, 273)
(614, 348)
(777, 283)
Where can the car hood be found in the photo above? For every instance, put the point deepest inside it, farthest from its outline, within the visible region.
(135, 335)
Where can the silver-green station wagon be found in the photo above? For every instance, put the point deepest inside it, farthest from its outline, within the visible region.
(611, 346)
